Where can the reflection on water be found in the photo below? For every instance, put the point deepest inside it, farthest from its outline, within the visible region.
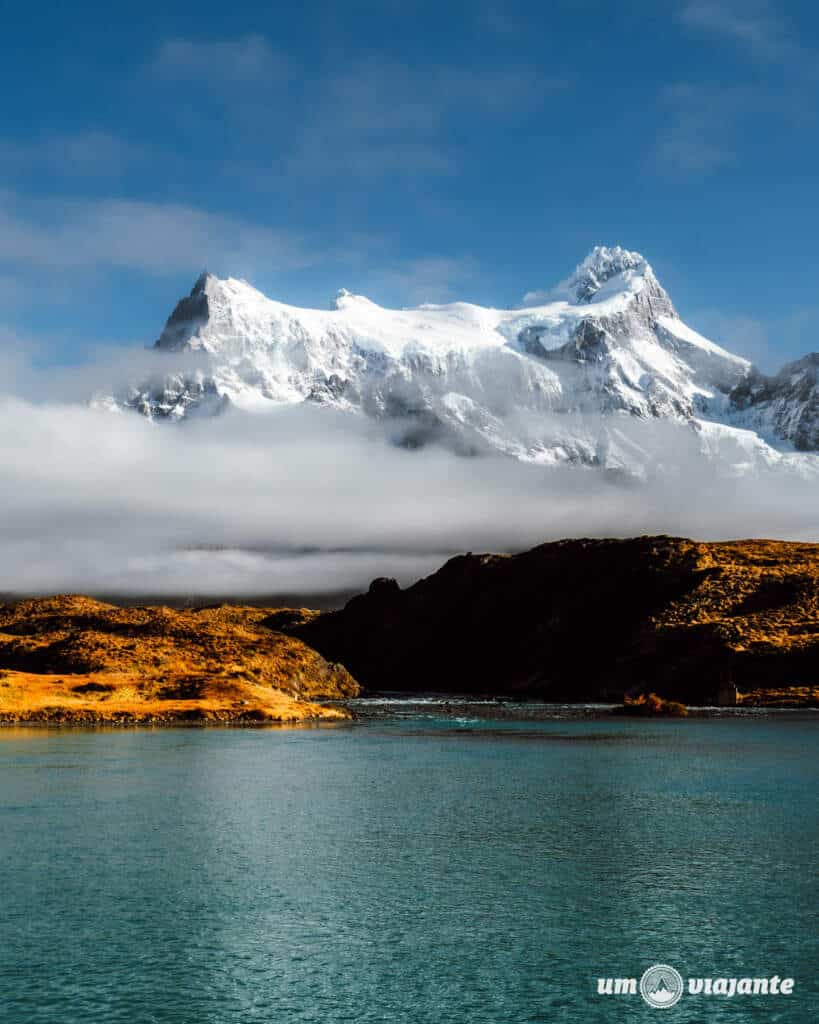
(440, 867)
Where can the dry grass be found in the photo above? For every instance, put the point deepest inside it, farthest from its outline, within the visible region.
(759, 592)
(759, 600)
(74, 659)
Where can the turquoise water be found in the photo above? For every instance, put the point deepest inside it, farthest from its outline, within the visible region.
(419, 870)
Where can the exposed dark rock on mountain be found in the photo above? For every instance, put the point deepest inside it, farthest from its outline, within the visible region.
(189, 315)
(786, 405)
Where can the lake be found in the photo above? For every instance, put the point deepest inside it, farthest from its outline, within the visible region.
(412, 868)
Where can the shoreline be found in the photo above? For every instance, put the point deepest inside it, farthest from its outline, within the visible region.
(365, 710)
(280, 709)
(197, 723)
(758, 701)
(376, 707)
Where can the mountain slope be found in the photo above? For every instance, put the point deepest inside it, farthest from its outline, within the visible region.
(555, 381)
(785, 406)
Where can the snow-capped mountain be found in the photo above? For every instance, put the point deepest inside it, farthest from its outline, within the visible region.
(785, 406)
(559, 379)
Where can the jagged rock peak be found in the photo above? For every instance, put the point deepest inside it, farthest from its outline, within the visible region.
(188, 315)
(601, 265)
(807, 365)
(785, 405)
(202, 282)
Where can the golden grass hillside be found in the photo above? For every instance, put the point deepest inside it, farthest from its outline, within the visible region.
(757, 603)
(74, 659)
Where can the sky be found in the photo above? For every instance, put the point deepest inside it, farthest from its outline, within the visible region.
(410, 151)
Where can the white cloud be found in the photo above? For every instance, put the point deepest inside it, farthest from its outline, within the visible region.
(500, 20)
(242, 62)
(755, 25)
(430, 279)
(89, 152)
(68, 237)
(16, 354)
(540, 296)
(360, 119)
(15, 291)
(769, 343)
(26, 369)
(709, 125)
(386, 118)
(308, 500)
(701, 125)
(149, 236)
(742, 334)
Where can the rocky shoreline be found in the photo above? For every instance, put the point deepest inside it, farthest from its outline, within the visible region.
(457, 708)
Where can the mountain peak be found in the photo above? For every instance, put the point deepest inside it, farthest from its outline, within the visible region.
(607, 342)
(348, 300)
(601, 265)
(606, 271)
(188, 315)
(607, 260)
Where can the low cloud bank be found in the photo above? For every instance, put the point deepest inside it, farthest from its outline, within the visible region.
(308, 500)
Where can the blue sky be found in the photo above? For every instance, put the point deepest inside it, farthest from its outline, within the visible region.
(410, 151)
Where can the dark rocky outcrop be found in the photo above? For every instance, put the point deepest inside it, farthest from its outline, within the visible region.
(589, 619)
